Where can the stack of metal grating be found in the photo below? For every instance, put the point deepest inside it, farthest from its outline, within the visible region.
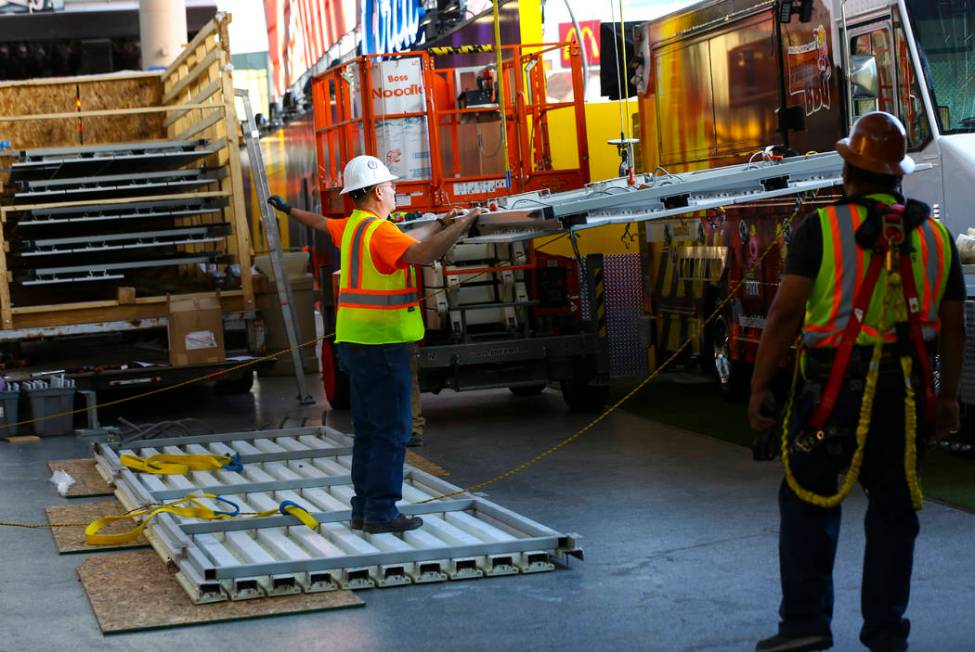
(76, 225)
(463, 536)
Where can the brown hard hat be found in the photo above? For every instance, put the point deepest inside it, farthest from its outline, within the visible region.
(877, 143)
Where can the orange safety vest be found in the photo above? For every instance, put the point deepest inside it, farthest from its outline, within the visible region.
(373, 308)
(843, 270)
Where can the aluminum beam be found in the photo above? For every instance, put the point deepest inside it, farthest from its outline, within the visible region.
(128, 211)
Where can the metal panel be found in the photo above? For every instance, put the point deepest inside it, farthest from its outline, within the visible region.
(968, 366)
(102, 271)
(463, 536)
(128, 211)
(624, 308)
(110, 159)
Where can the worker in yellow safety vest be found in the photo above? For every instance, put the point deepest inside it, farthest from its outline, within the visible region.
(378, 320)
(877, 287)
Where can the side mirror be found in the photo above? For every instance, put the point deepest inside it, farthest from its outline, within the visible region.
(864, 81)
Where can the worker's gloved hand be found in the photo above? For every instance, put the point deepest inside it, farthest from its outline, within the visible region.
(947, 417)
(761, 410)
(280, 204)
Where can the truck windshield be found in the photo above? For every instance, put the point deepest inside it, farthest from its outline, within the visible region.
(945, 31)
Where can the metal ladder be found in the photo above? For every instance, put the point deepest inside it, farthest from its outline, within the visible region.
(285, 296)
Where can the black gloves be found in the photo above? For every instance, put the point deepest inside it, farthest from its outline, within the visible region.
(280, 204)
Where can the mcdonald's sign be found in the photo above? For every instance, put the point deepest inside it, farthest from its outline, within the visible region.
(589, 39)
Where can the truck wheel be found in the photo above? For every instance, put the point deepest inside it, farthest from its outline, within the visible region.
(732, 376)
(241, 383)
(527, 390)
(334, 381)
(580, 396)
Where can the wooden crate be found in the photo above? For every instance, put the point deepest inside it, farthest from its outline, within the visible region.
(192, 99)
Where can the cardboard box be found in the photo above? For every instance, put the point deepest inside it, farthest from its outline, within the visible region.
(195, 330)
(397, 87)
(126, 295)
(403, 145)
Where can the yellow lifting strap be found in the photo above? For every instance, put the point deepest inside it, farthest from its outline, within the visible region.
(165, 464)
(186, 507)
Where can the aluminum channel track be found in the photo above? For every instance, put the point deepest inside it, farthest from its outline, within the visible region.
(137, 210)
(124, 241)
(103, 271)
(117, 185)
(110, 159)
(463, 537)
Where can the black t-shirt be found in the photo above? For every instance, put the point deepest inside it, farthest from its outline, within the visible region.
(806, 255)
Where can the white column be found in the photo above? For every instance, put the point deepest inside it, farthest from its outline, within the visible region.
(162, 31)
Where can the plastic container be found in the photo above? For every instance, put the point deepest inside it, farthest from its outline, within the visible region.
(8, 413)
(47, 402)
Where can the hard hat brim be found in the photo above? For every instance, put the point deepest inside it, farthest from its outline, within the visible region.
(905, 166)
(347, 189)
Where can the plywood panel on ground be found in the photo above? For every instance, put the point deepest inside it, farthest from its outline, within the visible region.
(135, 590)
(87, 480)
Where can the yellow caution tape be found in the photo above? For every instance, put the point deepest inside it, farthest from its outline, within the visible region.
(164, 464)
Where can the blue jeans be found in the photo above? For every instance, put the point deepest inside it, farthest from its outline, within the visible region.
(380, 383)
(809, 534)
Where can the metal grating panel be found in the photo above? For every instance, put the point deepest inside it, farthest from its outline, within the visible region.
(968, 365)
(624, 298)
(462, 537)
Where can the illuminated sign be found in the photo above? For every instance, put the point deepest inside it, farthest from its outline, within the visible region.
(589, 39)
(390, 25)
(300, 32)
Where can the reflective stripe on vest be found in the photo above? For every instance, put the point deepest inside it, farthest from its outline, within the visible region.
(843, 269)
(373, 308)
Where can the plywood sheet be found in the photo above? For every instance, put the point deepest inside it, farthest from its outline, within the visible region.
(424, 464)
(135, 590)
(72, 539)
(34, 100)
(122, 94)
(87, 480)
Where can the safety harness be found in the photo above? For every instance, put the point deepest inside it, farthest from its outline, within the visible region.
(890, 247)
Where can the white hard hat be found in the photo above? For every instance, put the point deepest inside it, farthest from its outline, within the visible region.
(365, 172)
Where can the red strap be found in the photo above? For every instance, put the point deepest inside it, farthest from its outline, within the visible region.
(917, 334)
(845, 350)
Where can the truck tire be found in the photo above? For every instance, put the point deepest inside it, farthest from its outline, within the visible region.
(527, 390)
(241, 383)
(334, 381)
(581, 396)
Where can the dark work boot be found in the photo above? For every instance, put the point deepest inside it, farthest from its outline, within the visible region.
(399, 524)
(416, 440)
(783, 643)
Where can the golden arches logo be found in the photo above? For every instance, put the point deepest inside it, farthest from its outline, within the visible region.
(589, 39)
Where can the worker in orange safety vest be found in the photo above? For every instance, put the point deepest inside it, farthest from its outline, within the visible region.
(377, 322)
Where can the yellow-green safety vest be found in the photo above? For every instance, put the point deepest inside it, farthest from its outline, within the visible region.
(844, 267)
(374, 308)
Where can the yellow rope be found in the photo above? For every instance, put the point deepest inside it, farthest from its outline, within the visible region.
(863, 427)
(910, 437)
